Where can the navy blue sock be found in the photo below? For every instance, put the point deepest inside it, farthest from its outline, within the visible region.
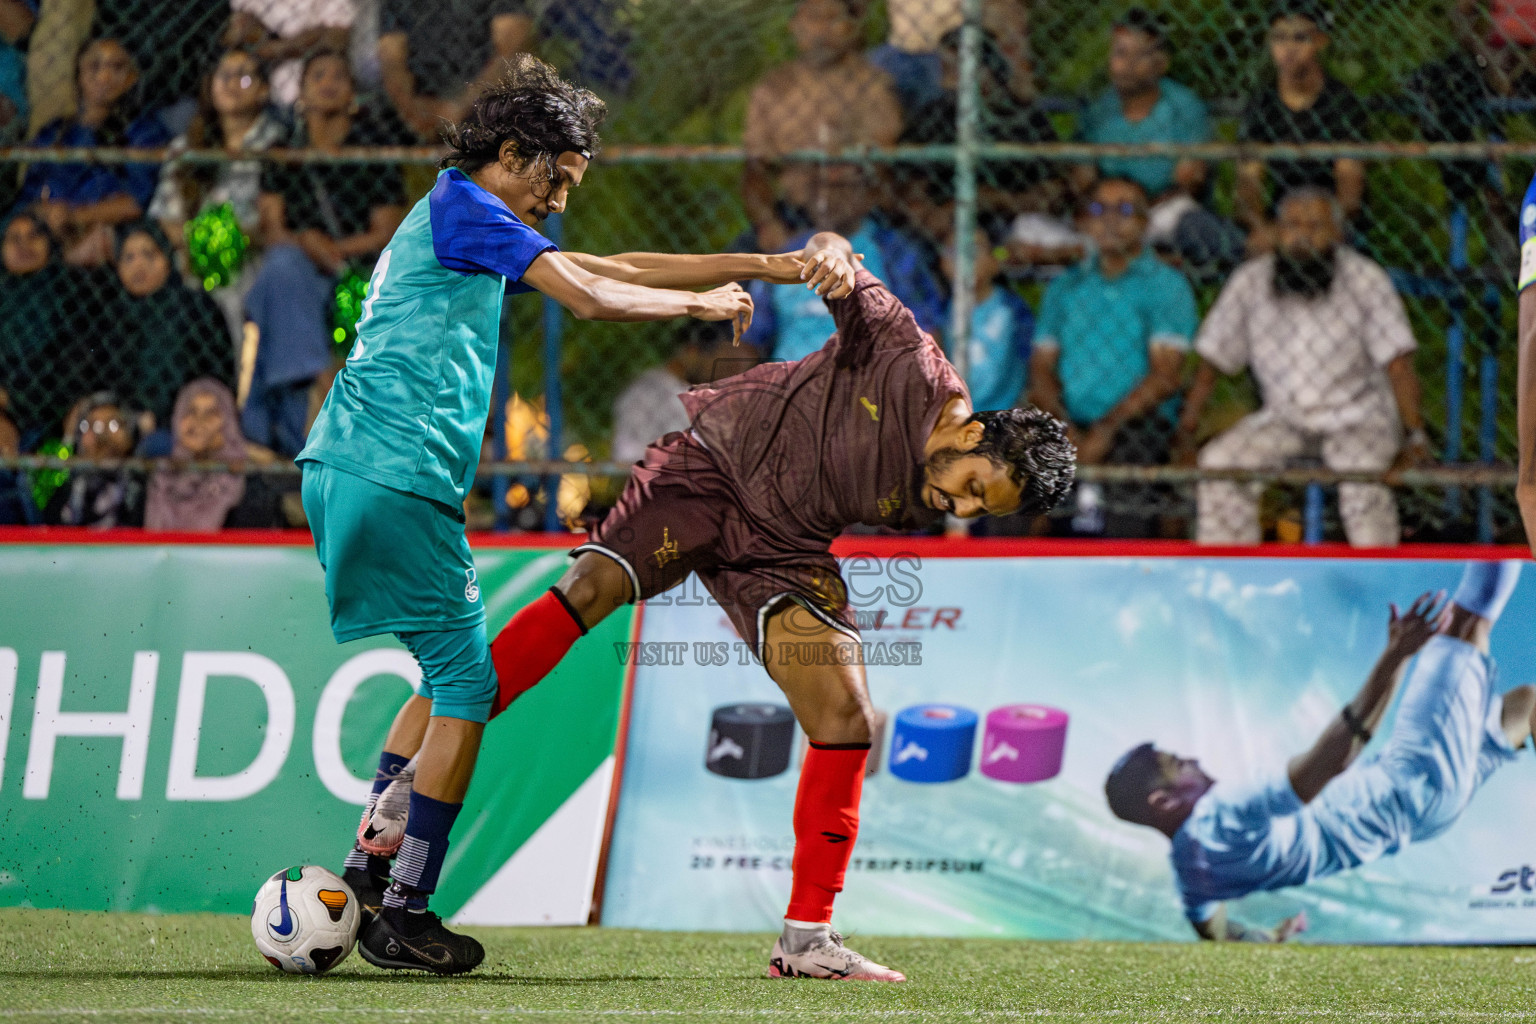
(389, 767)
(421, 855)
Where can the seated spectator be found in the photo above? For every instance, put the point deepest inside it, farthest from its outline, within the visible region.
(158, 333)
(206, 428)
(16, 20)
(36, 293)
(1109, 347)
(16, 508)
(1455, 101)
(282, 33)
(1329, 344)
(1002, 326)
(100, 498)
(1143, 105)
(233, 116)
(436, 55)
(830, 97)
(1303, 104)
(1005, 189)
(649, 407)
(83, 203)
(910, 54)
(318, 220)
(170, 42)
(790, 322)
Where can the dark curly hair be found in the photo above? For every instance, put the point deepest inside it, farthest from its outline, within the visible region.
(1032, 445)
(536, 110)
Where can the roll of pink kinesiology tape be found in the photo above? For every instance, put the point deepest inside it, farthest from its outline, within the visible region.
(1023, 743)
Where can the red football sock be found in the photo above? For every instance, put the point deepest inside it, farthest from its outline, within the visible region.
(826, 826)
(532, 644)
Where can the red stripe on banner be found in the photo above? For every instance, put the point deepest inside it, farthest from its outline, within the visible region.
(843, 547)
(620, 748)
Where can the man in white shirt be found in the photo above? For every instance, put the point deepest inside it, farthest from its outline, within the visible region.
(286, 31)
(1329, 343)
(1329, 812)
(649, 407)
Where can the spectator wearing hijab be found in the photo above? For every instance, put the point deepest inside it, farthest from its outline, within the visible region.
(206, 428)
(34, 296)
(158, 333)
(82, 203)
(100, 498)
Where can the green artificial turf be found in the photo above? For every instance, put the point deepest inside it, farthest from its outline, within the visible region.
(98, 967)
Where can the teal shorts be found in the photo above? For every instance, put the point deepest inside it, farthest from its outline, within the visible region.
(394, 562)
(457, 675)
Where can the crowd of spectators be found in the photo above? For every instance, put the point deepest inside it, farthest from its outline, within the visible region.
(115, 338)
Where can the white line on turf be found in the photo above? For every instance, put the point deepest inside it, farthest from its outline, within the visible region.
(375, 1013)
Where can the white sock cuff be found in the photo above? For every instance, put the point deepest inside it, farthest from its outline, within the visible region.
(807, 925)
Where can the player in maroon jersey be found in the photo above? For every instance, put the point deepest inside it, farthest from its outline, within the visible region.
(875, 428)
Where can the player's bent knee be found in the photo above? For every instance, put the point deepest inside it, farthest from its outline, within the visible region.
(594, 587)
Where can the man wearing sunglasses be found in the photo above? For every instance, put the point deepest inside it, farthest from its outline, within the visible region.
(1110, 345)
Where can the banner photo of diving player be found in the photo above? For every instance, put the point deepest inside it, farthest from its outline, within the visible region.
(1310, 750)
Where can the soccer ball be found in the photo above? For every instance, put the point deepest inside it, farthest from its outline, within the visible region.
(304, 920)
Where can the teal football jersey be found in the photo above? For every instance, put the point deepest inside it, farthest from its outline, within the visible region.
(408, 409)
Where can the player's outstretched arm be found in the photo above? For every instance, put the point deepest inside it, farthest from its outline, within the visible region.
(1346, 736)
(683, 270)
(592, 296)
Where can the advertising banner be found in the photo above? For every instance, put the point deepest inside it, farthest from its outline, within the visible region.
(1008, 689)
(177, 723)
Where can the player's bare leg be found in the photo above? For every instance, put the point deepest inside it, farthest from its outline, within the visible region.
(819, 670)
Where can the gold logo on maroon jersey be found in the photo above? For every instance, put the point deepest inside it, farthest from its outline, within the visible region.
(890, 506)
(668, 550)
(871, 408)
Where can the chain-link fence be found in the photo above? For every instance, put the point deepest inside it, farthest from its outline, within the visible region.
(1259, 255)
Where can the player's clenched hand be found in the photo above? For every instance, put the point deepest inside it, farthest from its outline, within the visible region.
(829, 273)
(728, 302)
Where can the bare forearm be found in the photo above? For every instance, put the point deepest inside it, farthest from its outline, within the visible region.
(322, 37)
(112, 210)
(1405, 388)
(619, 302)
(1199, 396)
(1249, 195)
(1350, 176)
(1152, 391)
(1338, 746)
(674, 270)
(757, 194)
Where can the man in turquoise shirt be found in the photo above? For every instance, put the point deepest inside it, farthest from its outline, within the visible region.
(1143, 105)
(394, 451)
(1112, 334)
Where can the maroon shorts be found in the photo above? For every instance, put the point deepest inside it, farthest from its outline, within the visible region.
(679, 514)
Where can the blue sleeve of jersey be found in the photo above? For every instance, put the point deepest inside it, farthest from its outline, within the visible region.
(910, 280)
(475, 233)
(765, 324)
(1023, 325)
(1528, 237)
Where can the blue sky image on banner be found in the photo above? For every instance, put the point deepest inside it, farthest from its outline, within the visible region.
(978, 821)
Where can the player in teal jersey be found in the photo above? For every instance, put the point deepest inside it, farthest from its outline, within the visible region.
(393, 453)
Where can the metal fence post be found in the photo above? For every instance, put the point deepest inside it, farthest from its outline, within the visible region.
(967, 137)
(554, 342)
